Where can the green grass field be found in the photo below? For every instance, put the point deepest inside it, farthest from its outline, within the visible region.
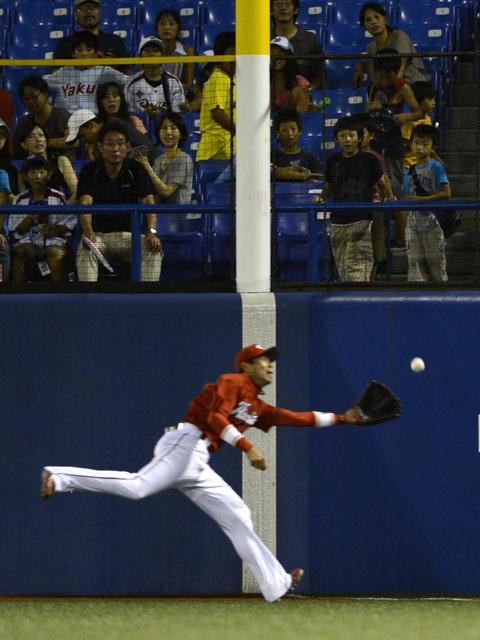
(295, 618)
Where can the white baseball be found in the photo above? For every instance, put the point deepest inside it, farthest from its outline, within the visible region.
(417, 365)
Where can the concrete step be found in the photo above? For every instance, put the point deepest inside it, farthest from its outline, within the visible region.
(460, 140)
(460, 161)
(463, 185)
(462, 117)
(465, 95)
(461, 263)
(464, 72)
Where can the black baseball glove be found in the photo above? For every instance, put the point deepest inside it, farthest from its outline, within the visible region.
(377, 404)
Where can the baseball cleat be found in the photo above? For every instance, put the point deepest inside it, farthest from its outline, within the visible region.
(297, 575)
(47, 487)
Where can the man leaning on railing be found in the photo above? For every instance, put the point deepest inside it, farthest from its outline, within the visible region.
(116, 179)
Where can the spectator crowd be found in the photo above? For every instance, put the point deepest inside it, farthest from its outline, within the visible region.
(91, 134)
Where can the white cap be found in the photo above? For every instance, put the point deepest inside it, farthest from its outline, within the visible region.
(79, 117)
(283, 43)
(150, 40)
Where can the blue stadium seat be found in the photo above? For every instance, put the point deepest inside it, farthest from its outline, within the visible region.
(313, 12)
(184, 243)
(293, 235)
(221, 12)
(21, 52)
(208, 34)
(426, 37)
(41, 36)
(221, 242)
(44, 13)
(343, 101)
(311, 124)
(189, 11)
(209, 170)
(347, 37)
(346, 12)
(341, 39)
(412, 12)
(192, 122)
(121, 12)
(5, 17)
(129, 36)
(219, 193)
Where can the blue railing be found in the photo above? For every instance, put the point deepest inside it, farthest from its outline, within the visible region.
(312, 209)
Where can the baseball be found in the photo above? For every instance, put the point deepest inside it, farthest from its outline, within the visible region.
(417, 365)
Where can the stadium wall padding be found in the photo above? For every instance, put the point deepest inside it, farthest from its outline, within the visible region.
(91, 380)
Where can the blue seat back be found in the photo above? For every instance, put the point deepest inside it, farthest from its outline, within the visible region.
(221, 12)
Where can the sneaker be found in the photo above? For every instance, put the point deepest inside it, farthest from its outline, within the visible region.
(297, 575)
(47, 485)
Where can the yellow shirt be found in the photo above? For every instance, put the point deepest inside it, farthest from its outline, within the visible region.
(407, 128)
(215, 140)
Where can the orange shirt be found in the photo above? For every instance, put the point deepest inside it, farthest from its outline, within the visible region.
(233, 399)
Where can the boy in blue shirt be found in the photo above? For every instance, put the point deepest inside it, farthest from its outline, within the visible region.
(425, 181)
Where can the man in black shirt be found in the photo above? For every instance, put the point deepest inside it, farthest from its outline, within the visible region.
(87, 14)
(116, 179)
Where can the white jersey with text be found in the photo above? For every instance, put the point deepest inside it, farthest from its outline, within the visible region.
(143, 96)
(77, 88)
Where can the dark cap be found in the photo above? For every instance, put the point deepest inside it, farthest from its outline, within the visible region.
(254, 351)
(32, 162)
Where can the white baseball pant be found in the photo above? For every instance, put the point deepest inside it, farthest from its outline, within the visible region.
(180, 461)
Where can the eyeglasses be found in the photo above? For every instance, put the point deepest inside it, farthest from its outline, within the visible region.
(114, 145)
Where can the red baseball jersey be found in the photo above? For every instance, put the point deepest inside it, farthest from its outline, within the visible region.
(233, 399)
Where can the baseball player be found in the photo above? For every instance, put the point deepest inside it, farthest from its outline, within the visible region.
(221, 412)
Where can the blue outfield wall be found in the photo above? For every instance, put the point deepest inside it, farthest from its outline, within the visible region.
(91, 380)
(392, 508)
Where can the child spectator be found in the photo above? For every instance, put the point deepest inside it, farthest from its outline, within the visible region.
(378, 217)
(425, 181)
(6, 157)
(33, 91)
(84, 125)
(76, 86)
(424, 93)
(291, 162)
(217, 114)
(172, 172)
(351, 175)
(62, 177)
(153, 89)
(168, 28)
(388, 97)
(41, 236)
(288, 89)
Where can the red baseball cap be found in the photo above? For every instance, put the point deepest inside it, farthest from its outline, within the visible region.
(254, 351)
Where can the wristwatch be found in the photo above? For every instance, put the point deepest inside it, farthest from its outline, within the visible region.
(153, 230)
